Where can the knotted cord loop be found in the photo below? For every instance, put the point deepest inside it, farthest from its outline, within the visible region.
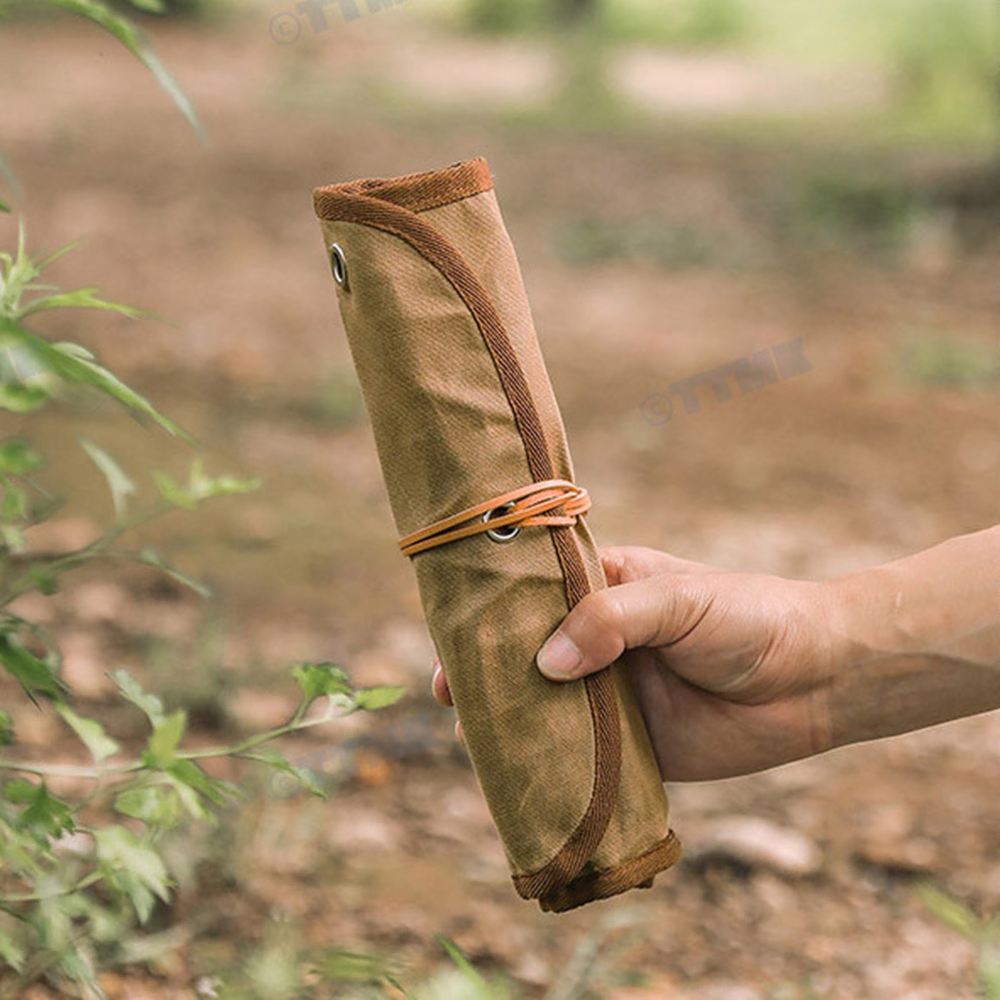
(552, 502)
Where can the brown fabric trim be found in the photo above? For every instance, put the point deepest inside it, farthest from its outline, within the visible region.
(417, 192)
(583, 841)
(636, 873)
(444, 256)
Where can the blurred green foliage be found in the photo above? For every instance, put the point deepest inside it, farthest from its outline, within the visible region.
(66, 913)
(510, 17)
(675, 22)
(938, 58)
(590, 239)
(680, 23)
(946, 60)
(983, 933)
(944, 361)
(873, 214)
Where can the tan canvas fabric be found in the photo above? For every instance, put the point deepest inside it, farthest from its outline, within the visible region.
(462, 411)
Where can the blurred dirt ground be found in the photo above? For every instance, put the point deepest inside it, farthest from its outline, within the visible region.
(871, 454)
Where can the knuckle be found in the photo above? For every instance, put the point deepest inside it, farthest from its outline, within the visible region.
(603, 609)
(600, 620)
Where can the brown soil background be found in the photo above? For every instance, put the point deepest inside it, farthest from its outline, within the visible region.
(842, 467)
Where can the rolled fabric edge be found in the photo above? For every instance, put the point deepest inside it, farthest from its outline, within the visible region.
(635, 873)
(417, 192)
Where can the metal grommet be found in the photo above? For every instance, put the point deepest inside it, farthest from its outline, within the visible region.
(506, 532)
(338, 265)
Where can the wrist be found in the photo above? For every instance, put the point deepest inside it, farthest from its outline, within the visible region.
(913, 642)
(867, 619)
(860, 635)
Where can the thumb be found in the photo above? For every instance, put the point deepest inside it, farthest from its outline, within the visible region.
(655, 611)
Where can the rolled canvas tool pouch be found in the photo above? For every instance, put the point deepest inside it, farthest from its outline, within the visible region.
(479, 477)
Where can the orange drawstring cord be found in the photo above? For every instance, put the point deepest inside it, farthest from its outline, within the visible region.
(525, 506)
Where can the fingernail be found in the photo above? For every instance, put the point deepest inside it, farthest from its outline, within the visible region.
(559, 657)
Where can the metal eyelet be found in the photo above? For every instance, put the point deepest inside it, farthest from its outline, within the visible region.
(506, 532)
(338, 264)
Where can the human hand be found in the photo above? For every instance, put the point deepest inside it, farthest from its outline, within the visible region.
(729, 668)
(739, 672)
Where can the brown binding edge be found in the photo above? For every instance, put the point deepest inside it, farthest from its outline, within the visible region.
(417, 192)
(636, 873)
(346, 203)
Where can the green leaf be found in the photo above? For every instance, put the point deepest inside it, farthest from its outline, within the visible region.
(79, 298)
(14, 504)
(130, 689)
(4, 207)
(200, 486)
(17, 367)
(316, 679)
(22, 398)
(105, 924)
(299, 778)
(43, 815)
(189, 773)
(18, 790)
(17, 458)
(950, 911)
(372, 699)
(135, 41)
(989, 970)
(12, 538)
(6, 729)
(150, 6)
(121, 486)
(173, 492)
(133, 867)
(204, 487)
(76, 964)
(17, 271)
(336, 967)
(161, 750)
(191, 801)
(90, 731)
(35, 676)
(43, 580)
(156, 806)
(20, 279)
(41, 265)
(463, 964)
(11, 952)
(75, 365)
